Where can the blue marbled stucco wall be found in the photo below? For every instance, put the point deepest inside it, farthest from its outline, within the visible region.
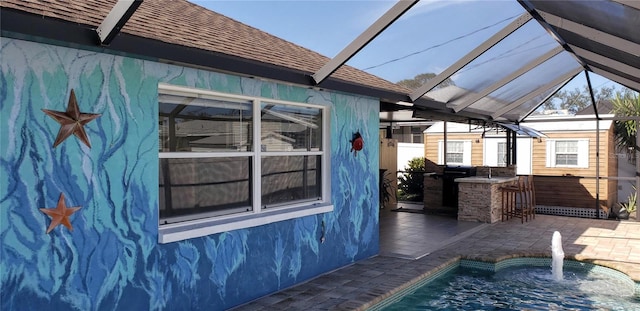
(111, 259)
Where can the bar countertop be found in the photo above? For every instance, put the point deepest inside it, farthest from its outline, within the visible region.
(485, 180)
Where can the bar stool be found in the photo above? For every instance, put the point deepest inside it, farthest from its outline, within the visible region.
(530, 193)
(515, 201)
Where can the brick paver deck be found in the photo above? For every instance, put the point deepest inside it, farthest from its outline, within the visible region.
(614, 244)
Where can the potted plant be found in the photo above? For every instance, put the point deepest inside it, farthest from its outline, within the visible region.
(626, 208)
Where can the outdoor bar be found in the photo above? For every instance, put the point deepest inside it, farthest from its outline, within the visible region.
(480, 197)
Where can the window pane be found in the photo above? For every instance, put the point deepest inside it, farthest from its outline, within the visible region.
(454, 157)
(204, 125)
(502, 154)
(215, 186)
(288, 179)
(417, 139)
(567, 146)
(455, 147)
(291, 128)
(567, 159)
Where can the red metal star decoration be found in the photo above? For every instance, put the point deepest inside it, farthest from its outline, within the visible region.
(71, 121)
(60, 214)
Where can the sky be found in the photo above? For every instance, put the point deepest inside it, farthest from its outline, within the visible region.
(430, 37)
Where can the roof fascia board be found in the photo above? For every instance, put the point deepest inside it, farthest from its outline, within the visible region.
(115, 20)
(630, 3)
(488, 90)
(363, 39)
(605, 61)
(592, 34)
(567, 76)
(26, 26)
(503, 33)
(618, 79)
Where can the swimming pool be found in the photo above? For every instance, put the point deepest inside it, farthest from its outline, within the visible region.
(517, 284)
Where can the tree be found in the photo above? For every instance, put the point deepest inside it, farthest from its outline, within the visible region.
(626, 104)
(421, 79)
(577, 99)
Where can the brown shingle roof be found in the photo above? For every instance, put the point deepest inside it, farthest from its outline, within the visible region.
(186, 24)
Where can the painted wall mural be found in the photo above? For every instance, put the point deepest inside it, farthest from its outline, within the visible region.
(111, 259)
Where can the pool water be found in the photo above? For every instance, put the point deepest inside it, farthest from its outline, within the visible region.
(521, 288)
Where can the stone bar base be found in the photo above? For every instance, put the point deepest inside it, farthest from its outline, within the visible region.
(432, 187)
(480, 198)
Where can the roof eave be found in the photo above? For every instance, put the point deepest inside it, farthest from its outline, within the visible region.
(26, 26)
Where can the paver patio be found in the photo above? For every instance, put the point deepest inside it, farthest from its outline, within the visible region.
(609, 243)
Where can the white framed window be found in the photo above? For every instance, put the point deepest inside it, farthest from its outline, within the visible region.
(568, 153)
(417, 137)
(502, 154)
(229, 162)
(458, 152)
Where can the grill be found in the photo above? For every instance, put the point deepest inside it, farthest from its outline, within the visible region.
(449, 187)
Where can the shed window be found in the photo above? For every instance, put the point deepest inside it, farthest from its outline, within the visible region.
(458, 152)
(229, 162)
(568, 153)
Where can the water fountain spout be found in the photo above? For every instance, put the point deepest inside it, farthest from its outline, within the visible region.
(557, 255)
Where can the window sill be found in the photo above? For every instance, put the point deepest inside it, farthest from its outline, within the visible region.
(568, 166)
(194, 229)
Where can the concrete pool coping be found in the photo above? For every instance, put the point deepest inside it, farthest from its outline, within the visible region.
(612, 244)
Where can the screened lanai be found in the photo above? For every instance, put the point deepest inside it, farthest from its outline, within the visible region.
(504, 66)
(500, 71)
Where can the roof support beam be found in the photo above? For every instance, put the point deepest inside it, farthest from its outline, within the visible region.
(630, 3)
(624, 81)
(488, 90)
(567, 76)
(592, 34)
(593, 98)
(607, 62)
(526, 4)
(513, 26)
(115, 20)
(363, 39)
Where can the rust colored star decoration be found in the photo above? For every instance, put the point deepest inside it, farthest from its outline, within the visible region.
(72, 121)
(60, 214)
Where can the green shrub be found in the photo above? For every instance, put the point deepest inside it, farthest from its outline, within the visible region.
(630, 205)
(410, 186)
